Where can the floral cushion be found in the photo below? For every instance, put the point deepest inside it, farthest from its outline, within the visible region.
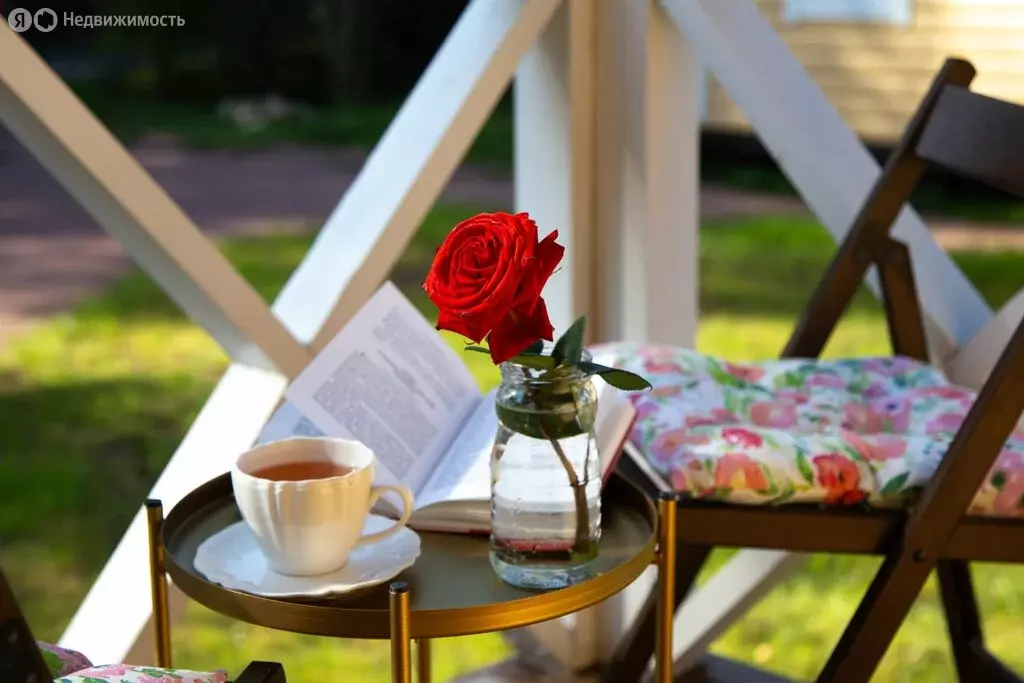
(124, 673)
(62, 661)
(68, 666)
(870, 430)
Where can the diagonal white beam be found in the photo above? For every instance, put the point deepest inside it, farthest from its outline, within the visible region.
(116, 190)
(818, 152)
(973, 362)
(726, 597)
(117, 607)
(413, 161)
(356, 248)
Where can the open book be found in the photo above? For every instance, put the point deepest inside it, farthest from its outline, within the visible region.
(390, 380)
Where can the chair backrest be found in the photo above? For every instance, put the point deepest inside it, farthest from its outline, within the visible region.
(978, 137)
(20, 658)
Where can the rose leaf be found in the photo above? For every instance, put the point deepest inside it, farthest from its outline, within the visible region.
(620, 379)
(569, 347)
(534, 349)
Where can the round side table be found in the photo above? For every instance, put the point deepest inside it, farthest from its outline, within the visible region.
(450, 591)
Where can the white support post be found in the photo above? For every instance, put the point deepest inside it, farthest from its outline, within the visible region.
(553, 114)
(583, 121)
(124, 199)
(648, 188)
(413, 161)
(647, 152)
(621, 27)
(553, 100)
(672, 97)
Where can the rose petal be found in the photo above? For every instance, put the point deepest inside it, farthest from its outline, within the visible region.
(464, 325)
(518, 330)
(547, 256)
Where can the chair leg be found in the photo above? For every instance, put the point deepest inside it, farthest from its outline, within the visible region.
(973, 661)
(878, 617)
(262, 672)
(20, 657)
(636, 648)
(158, 584)
(933, 521)
(962, 618)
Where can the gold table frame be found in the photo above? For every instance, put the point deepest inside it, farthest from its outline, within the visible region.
(397, 620)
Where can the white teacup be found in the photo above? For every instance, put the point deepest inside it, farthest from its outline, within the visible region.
(307, 499)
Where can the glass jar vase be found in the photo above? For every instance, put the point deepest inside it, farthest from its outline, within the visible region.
(545, 478)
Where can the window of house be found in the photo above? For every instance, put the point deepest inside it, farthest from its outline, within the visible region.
(896, 12)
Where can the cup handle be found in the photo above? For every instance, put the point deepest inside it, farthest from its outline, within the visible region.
(375, 493)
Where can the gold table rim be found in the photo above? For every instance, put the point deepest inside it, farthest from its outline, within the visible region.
(338, 621)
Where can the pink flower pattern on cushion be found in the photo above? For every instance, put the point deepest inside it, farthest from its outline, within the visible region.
(739, 470)
(867, 430)
(126, 673)
(781, 414)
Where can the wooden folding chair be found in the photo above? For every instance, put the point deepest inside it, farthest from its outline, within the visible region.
(983, 139)
(22, 660)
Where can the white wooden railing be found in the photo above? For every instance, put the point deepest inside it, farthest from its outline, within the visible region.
(607, 114)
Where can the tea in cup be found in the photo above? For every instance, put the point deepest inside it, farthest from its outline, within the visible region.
(306, 500)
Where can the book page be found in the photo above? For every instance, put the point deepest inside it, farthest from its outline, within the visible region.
(464, 471)
(390, 381)
(287, 422)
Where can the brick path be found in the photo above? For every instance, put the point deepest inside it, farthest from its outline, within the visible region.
(52, 253)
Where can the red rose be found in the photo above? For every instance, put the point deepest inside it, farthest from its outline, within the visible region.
(840, 478)
(487, 278)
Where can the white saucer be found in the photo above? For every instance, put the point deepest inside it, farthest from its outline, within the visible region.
(231, 558)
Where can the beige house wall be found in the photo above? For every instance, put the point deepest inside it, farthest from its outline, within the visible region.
(875, 74)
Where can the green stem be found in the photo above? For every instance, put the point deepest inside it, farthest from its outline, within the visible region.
(578, 491)
(586, 458)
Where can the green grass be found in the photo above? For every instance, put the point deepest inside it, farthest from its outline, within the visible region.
(93, 403)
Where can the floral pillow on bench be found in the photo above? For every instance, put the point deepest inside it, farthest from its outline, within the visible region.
(68, 666)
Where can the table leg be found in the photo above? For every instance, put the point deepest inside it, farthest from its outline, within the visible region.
(158, 584)
(663, 663)
(423, 660)
(401, 645)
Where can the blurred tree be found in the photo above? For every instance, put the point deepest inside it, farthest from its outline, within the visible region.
(319, 51)
(338, 25)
